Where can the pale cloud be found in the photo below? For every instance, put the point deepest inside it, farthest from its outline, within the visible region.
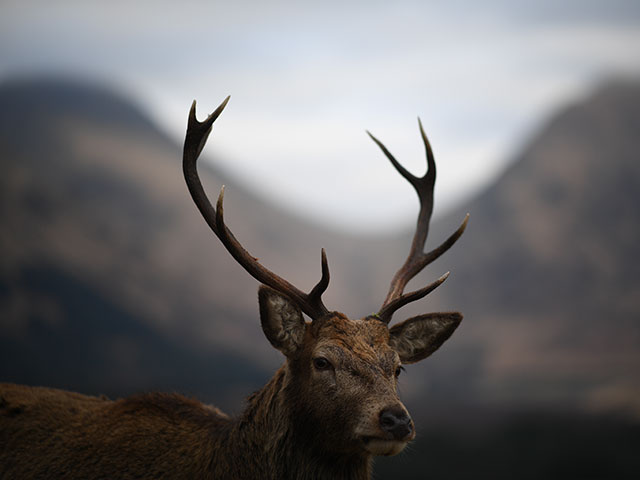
(308, 78)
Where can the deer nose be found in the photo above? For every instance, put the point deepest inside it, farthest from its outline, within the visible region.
(397, 422)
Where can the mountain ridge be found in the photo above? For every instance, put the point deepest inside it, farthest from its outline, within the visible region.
(104, 201)
(568, 230)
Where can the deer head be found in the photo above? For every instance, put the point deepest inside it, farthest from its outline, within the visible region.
(340, 380)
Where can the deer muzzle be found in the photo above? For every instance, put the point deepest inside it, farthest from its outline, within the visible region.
(396, 422)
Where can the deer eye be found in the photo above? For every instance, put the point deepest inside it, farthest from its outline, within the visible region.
(399, 370)
(321, 363)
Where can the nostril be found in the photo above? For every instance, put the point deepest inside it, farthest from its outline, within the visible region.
(397, 422)
(387, 420)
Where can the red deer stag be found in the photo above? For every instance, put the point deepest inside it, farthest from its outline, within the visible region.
(326, 412)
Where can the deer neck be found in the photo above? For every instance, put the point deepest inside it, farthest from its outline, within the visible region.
(289, 451)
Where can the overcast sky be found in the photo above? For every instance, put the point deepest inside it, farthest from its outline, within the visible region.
(307, 79)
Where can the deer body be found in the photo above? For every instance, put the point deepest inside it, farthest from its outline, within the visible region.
(325, 414)
(48, 433)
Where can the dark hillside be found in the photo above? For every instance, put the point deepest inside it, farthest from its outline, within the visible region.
(93, 203)
(549, 273)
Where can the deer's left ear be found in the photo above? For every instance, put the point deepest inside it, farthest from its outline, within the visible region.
(418, 337)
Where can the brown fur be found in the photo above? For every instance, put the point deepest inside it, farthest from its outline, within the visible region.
(306, 423)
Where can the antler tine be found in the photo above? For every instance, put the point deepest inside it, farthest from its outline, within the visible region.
(417, 259)
(197, 134)
(387, 310)
(322, 285)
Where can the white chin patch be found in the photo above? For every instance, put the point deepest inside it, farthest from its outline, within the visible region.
(379, 446)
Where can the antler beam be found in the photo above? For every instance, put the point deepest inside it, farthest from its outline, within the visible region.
(417, 259)
(197, 134)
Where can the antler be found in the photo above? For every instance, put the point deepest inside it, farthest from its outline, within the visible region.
(417, 259)
(197, 134)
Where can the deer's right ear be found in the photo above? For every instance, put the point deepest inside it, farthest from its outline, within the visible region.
(281, 320)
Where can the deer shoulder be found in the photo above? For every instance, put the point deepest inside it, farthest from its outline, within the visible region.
(62, 434)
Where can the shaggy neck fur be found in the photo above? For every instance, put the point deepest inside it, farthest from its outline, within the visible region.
(267, 441)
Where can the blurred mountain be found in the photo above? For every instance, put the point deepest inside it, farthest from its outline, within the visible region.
(100, 233)
(549, 277)
(110, 282)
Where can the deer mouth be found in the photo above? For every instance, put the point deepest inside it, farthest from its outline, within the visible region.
(383, 446)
